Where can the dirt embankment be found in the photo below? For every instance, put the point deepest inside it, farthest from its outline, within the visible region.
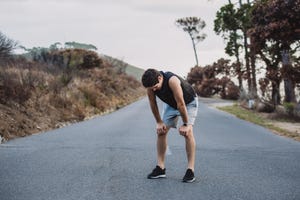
(73, 86)
(35, 117)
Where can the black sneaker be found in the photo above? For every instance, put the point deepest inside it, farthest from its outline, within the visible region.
(189, 176)
(157, 173)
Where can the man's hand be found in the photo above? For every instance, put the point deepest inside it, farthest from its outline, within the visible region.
(184, 130)
(161, 128)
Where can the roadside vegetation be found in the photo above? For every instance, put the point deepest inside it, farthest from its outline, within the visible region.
(48, 88)
(263, 40)
(263, 73)
(271, 121)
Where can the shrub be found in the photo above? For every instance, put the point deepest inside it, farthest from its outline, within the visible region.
(65, 78)
(63, 86)
(13, 85)
(231, 91)
(289, 107)
(264, 106)
(90, 60)
(7, 46)
(214, 79)
(59, 101)
(74, 58)
(90, 96)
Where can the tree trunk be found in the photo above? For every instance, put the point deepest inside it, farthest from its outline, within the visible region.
(239, 64)
(248, 73)
(239, 73)
(289, 86)
(195, 50)
(275, 92)
(253, 70)
(289, 90)
(273, 75)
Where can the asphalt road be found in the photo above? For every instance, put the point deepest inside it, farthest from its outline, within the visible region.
(109, 157)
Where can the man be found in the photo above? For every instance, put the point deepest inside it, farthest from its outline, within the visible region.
(179, 100)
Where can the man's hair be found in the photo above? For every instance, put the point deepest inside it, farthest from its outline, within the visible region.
(150, 77)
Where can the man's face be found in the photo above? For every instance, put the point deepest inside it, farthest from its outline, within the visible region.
(158, 85)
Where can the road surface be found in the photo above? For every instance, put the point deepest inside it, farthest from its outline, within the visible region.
(109, 157)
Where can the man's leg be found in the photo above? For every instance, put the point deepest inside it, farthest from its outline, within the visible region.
(161, 146)
(190, 146)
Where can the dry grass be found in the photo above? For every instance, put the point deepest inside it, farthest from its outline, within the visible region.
(37, 96)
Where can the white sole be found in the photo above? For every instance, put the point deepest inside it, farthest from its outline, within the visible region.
(159, 176)
(190, 181)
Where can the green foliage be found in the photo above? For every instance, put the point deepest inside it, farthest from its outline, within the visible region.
(289, 107)
(40, 53)
(233, 46)
(77, 45)
(54, 46)
(230, 23)
(254, 117)
(69, 59)
(244, 16)
(244, 114)
(226, 20)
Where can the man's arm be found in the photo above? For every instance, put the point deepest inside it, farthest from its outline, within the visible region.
(153, 105)
(175, 86)
(160, 126)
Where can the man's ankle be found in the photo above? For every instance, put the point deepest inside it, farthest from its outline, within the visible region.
(192, 168)
(161, 166)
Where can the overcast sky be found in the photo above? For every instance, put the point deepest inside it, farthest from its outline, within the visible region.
(140, 32)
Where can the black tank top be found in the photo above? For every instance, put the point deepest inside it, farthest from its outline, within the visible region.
(166, 94)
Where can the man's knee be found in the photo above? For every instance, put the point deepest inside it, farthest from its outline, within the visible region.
(189, 135)
(162, 134)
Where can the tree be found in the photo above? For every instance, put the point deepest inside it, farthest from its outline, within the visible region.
(55, 46)
(6, 47)
(77, 45)
(193, 26)
(244, 20)
(227, 24)
(214, 79)
(275, 35)
(233, 23)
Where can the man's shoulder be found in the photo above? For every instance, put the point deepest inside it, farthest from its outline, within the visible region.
(174, 81)
(169, 74)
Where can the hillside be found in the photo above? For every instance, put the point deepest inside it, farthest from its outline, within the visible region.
(124, 67)
(58, 88)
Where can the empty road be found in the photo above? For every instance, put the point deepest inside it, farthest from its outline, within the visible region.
(109, 157)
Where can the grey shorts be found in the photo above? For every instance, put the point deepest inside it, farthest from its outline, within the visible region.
(171, 115)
